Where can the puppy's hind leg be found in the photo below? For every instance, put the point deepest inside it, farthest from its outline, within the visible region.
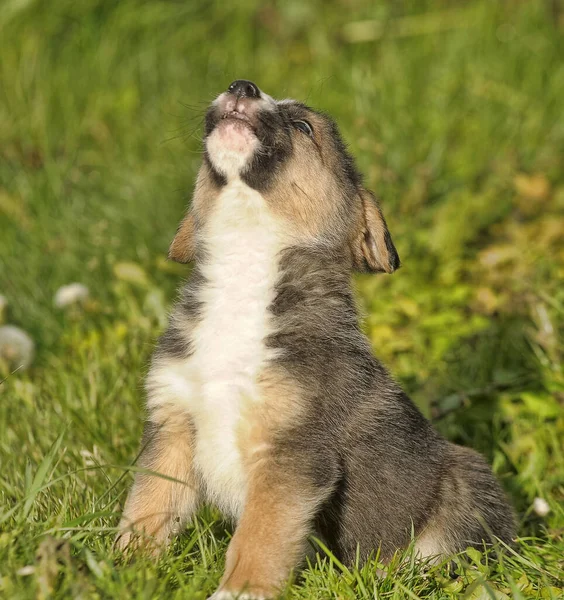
(472, 509)
(160, 503)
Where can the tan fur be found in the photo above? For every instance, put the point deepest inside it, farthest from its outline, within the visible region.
(158, 506)
(369, 243)
(184, 245)
(280, 406)
(271, 536)
(307, 194)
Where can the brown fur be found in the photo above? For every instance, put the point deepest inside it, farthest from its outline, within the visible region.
(370, 245)
(281, 405)
(306, 192)
(184, 245)
(271, 537)
(159, 504)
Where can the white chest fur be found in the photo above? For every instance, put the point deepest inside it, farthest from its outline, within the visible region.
(218, 382)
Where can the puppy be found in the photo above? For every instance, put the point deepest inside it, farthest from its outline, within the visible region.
(263, 395)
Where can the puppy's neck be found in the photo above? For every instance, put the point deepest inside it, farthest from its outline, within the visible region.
(246, 245)
(241, 244)
(316, 273)
(238, 209)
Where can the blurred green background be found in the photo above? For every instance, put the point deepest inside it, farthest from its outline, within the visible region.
(454, 111)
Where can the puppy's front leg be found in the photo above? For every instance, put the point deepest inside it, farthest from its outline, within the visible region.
(159, 504)
(271, 537)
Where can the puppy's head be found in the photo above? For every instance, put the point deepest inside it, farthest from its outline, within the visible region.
(295, 158)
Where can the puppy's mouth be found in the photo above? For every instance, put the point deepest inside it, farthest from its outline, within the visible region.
(241, 125)
(242, 118)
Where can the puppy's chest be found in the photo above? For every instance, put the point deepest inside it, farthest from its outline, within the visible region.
(228, 344)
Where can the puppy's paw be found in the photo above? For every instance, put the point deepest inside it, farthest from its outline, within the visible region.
(232, 595)
(129, 541)
(124, 540)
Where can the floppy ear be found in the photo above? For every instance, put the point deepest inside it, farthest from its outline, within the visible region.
(183, 246)
(373, 249)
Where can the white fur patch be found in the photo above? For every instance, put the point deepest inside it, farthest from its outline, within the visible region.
(219, 380)
(429, 545)
(232, 143)
(230, 146)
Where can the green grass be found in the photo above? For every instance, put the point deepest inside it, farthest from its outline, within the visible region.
(454, 111)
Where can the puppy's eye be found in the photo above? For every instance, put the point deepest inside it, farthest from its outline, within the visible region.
(304, 127)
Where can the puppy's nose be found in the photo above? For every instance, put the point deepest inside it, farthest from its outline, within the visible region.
(242, 87)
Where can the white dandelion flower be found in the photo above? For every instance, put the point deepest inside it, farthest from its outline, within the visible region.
(541, 507)
(16, 347)
(71, 294)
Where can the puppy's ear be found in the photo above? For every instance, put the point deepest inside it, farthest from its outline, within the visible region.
(373, 249)
(183, 246)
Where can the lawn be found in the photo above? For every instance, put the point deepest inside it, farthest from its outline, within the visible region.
(454, 111)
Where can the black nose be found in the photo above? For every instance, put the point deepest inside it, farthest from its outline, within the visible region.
(242, 87)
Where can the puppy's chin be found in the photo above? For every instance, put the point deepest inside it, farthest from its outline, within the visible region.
(230, 147)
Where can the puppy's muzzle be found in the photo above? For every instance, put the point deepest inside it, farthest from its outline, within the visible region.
(242, 101)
